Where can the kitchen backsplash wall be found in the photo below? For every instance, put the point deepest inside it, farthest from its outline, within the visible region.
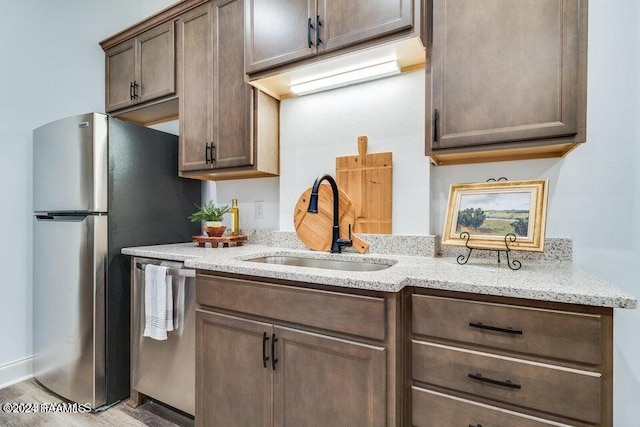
(443, 177)
(317, 128)
(254, 196)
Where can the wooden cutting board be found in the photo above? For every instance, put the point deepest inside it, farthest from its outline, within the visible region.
(366, 178)
(315, 230)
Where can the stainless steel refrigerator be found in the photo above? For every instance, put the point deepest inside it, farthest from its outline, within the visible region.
(100, 184)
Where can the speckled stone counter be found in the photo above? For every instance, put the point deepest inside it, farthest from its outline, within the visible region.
(556, 249)
(539, 280)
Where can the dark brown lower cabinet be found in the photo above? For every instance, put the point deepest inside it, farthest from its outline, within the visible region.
(253, 373)
(232, 386)
(280, 353)
(276, 372)
(491, 361)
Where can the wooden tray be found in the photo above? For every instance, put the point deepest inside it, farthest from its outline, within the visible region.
(225, 240)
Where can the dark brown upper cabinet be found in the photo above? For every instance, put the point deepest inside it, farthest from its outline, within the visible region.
(508, 80)
(222, 118)
(278, 33)
(195, 68)
(141, 69)
(186, 62)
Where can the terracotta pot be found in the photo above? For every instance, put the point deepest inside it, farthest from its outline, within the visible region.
(215, 231)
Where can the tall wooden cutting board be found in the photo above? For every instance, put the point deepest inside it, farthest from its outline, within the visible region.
(366, 178)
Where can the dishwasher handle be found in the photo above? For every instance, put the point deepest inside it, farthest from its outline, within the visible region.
(184, 272)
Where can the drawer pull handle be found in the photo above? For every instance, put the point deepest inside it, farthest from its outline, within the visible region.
(506, 383)
(495, 328)
(265, 358)
(274, 360)
(477, 425)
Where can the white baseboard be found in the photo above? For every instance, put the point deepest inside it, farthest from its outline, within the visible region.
(15, 372)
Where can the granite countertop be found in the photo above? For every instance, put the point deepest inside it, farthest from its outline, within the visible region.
(539, 280)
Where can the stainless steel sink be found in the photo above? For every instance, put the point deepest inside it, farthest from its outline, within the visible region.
(327, 264)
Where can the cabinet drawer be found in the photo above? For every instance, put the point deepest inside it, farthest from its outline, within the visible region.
(556, 334)
(349, 314)
(566, 392)
(433, 409)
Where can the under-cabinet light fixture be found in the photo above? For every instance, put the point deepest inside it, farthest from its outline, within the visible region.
(358, 75)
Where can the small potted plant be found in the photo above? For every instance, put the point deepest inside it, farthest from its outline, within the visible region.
(211, 217)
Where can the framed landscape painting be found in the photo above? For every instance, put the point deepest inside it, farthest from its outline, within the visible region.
(489, 211)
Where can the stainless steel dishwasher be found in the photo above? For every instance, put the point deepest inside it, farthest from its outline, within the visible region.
(164, 370)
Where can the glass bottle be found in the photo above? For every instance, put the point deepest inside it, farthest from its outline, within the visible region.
(235, 218)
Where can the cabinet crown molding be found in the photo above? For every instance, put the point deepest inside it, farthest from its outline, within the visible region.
(167, 14)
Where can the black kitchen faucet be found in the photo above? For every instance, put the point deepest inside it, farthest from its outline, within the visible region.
(336, 242)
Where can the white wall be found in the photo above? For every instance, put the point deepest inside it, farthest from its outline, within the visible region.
(52, 67)
(249, 192)
(315, 129)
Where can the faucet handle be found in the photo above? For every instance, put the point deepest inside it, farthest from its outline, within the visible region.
(340, 243)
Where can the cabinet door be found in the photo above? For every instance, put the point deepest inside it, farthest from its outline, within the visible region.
(232, 97)
(325, 381)
(504, 70)
(278, 31)
(348, 22)
(195, 53)
(233, 386)
(120, 74)
(156, 65)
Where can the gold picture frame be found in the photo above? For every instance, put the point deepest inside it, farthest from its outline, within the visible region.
(488, 211)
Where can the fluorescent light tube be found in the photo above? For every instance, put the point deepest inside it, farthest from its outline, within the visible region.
(359, 75)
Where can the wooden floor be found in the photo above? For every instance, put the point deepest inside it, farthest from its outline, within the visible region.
(120, 415)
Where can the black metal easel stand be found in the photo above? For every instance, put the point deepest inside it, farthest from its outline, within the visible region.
(509, 238)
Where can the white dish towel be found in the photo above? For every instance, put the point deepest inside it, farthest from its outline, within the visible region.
(158, 302)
